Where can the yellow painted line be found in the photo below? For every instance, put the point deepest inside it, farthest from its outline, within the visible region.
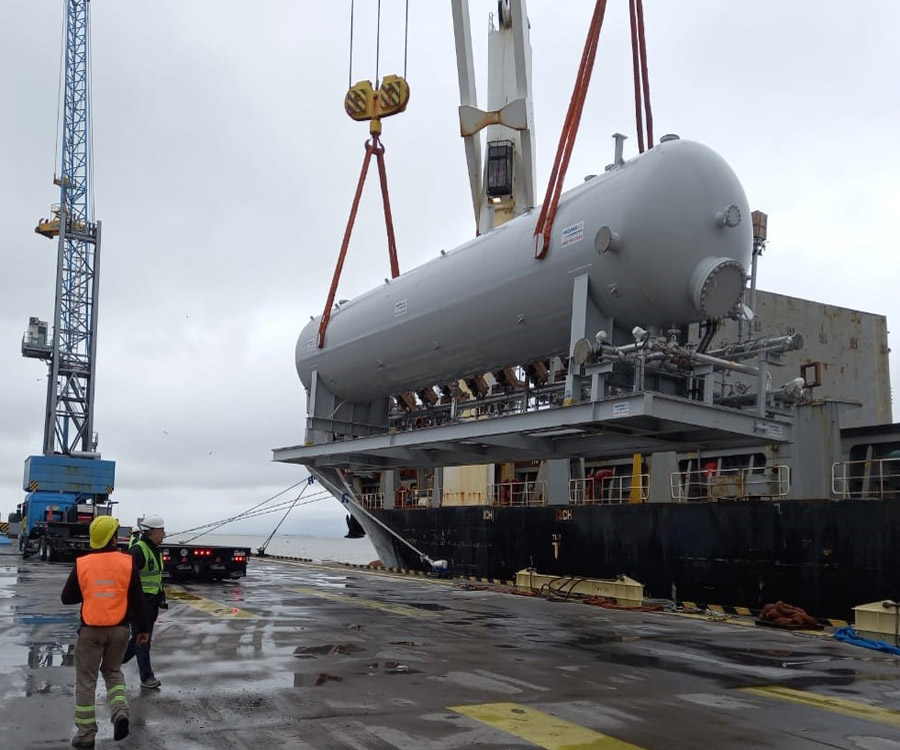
(541, 729)
(731, 620)
(397, 609)
(216, 609)
(841, 706)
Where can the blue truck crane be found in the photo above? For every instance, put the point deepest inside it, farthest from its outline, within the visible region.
(69, 484)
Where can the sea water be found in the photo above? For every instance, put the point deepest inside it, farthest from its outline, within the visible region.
(320, 548)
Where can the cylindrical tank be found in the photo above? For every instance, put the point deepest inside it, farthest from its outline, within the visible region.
(664, 239)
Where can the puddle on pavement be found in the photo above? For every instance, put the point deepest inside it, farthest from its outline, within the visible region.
(311, 652)
(51, 655)
(599, 640)
(37, 655)
(71, 617)
(7, 585)
(390, 667)
(314, 680)
(426, 605)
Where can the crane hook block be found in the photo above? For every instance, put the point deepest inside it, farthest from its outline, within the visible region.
(363, 102)
(359, 102)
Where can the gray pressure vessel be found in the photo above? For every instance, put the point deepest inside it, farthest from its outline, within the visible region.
(664, 237)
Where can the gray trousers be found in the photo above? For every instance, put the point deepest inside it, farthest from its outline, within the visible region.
(99, 650)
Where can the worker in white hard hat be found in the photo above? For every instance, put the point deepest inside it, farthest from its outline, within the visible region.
(135, 534)
(107, 585)
(148, 560)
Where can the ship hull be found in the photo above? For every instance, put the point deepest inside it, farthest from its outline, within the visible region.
(822, 555)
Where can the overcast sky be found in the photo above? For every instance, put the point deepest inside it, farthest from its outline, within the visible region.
(225, 167)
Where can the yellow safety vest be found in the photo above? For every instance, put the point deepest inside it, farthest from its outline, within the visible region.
(151, 572)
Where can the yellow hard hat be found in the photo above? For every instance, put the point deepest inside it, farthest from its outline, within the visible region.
(103, 528)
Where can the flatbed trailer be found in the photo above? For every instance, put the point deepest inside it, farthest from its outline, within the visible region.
(203, 562)
(55, 528)
(56, 541)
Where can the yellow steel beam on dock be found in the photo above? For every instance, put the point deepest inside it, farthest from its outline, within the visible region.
(543, 730)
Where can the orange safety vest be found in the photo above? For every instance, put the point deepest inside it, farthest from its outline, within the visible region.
(104, 579)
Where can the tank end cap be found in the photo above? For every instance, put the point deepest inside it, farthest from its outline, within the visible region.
(718, 284)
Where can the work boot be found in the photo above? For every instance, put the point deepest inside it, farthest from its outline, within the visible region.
(150, 682)
(120, 727)
(84, 742)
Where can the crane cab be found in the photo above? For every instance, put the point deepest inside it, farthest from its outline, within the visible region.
(49, 228)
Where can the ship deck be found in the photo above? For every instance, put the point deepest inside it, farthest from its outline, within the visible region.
(641, 422)
(301, 655)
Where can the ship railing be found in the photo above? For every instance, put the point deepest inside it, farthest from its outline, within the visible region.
(700, 485)
(474, 409)
(517, 493)
(414, 499)
(421, 498)
(878, 479)
(611, 490)
(372, 500)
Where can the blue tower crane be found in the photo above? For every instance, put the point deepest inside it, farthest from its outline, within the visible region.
(69, 483)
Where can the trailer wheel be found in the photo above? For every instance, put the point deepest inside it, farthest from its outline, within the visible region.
(45, 550)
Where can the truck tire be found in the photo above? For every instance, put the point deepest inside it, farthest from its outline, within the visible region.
(44, 550)
(23, 546)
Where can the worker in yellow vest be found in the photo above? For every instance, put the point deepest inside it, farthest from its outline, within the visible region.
(107, 584)
(135, 534)
(148, 560)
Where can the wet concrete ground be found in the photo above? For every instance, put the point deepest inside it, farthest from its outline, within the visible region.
(300, 656)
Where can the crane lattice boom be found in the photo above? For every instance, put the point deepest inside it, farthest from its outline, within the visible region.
(71, 354)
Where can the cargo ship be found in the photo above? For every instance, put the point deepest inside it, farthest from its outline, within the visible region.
(620, 401)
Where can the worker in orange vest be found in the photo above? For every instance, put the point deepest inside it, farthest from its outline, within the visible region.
(108, 586)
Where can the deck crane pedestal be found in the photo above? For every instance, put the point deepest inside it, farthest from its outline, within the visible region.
(68, 484)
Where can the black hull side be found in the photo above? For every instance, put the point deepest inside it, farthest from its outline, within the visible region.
(825, 556)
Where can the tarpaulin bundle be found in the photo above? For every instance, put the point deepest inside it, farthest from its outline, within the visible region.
(849, 635)
(786, 616)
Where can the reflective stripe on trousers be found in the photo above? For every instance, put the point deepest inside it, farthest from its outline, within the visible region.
(99, 650)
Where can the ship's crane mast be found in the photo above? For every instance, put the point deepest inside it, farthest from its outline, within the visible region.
(503, 184)
(71, 350)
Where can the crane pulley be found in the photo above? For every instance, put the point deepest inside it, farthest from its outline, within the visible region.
(363, 102)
